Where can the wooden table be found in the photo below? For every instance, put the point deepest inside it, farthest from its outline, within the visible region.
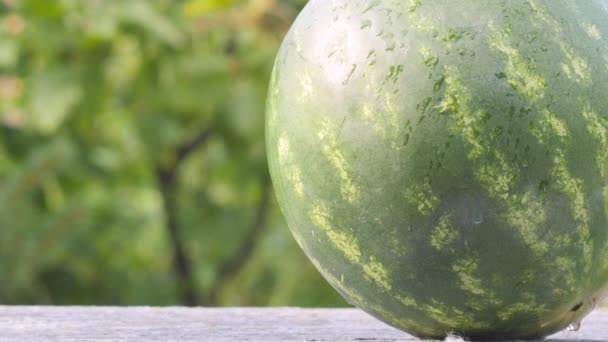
(225, 324)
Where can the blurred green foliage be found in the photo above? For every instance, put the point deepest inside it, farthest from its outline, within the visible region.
(119, 118)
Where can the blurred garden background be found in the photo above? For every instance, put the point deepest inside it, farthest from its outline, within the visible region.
(132, 158)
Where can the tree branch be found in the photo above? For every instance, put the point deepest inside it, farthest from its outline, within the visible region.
(184, 151)
(167, 180)
(235, 263)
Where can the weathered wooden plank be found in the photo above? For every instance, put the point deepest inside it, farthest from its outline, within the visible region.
(219, 324)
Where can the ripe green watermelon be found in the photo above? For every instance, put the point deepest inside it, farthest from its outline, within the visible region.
(444, 164)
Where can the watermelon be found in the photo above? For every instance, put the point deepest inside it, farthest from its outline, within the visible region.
(444, 164)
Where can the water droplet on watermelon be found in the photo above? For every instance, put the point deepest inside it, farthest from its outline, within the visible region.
(478, 219)
(574, 326)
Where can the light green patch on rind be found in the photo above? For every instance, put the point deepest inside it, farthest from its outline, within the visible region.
(497, 177)
(577, 68)
(549, 126)
(295, 177)
(453, 317)
(406, 300)
(530, 305)
(568, 268)
(552, 127)
(527, 213)
(544, 16)
(421, 196)
(598, 131)
(349, 246)
(467, 125)
(297, 38)
(345, 243)
(397, 248)
(356, 298)
(331, 150)
(493, 171)
(520, 73)
(466, 270)
(390, 109)
(306, 85)
(419, 21)
(592, 31)
(290, 169)
(376, 271)
(573, 188)
(413, 5)
(273, 95)
(371, 117)
(384, 120)
(444, 233)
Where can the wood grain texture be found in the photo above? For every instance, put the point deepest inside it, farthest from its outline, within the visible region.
(69, 324)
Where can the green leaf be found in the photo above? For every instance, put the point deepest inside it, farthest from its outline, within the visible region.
(53, 96)
(9, 52)
(40, 163)
(197, 8)
(143, 13)
(246, 111)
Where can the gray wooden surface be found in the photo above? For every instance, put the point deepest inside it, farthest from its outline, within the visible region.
(230, 324)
